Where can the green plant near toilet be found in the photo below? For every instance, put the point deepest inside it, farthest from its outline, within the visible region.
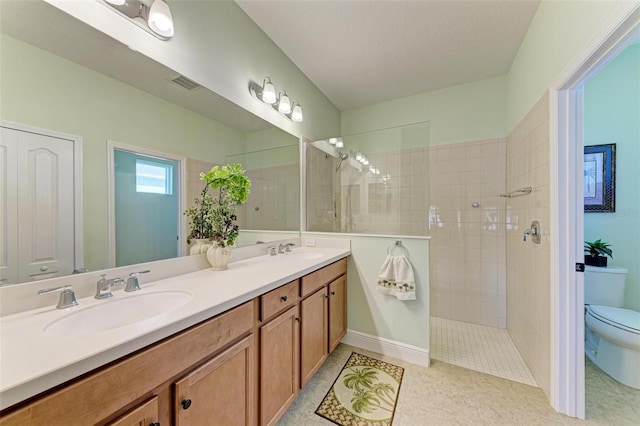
(597, 252)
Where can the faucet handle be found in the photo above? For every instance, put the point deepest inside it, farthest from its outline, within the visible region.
(132, 281)
(272, 251)
(67, 296)
(288, 246)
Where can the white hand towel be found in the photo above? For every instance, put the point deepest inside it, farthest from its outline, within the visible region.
(396, 278)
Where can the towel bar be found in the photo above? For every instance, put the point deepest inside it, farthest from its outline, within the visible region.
(397, 243)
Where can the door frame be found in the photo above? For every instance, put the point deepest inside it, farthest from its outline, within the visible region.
(111, 208)
(78, 178)
(567, 391)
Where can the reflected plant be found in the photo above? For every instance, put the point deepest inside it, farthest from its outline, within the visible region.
(214, 217)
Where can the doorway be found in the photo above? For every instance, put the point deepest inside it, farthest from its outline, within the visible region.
(145, 206)
(567, 133)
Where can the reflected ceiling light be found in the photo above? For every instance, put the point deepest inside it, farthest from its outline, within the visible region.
(339, 143)
(359, 157)
(151, 15)
(280, 102)
(284, 104)
(333, 141)
(160, 20)
(268, 92)
(296, 112)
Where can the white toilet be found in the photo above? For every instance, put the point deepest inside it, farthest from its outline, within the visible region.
(612, 334)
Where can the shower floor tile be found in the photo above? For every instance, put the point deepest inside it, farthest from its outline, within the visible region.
(477, 347)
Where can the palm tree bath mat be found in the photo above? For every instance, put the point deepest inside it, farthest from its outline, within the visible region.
(364, 394)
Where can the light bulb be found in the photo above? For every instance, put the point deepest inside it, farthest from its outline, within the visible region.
(296, 113)
(268, 92)
(116, 2)
(359, 156)
(333, 141)
(284, 104)
(160, 19)
(339, 143)
(365, 161)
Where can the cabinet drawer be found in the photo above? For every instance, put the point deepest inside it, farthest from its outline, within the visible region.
(317, 279)
(278, 299)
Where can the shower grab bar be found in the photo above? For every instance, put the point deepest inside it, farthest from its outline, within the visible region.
(397, 243)
(518, 192)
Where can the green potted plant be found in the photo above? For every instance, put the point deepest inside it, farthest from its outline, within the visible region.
(232, 190)
(597, 252)
(200, 223)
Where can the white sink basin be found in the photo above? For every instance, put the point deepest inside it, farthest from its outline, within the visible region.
(301, 255)
(117, 313)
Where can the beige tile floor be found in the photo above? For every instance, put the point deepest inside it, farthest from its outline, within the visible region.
(477, 347)
(445, 394)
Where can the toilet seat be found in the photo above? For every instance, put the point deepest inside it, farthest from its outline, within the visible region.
(624, 319)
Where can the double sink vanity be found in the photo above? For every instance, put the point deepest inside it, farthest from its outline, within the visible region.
(229, 347)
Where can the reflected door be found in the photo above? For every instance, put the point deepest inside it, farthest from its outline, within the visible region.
(146, 195)
(37, 192)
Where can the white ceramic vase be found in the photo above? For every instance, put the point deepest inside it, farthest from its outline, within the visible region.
(219, 257)
(199, 246)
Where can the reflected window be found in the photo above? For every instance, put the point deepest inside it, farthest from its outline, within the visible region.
(154, 178)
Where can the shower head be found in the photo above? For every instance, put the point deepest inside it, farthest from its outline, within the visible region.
(341, 156)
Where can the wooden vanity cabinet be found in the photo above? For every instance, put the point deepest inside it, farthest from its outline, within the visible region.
(102, 396)
(220, 392)
(323, 316)
(314, 330)
(337, 311)
(146, 414)
(243, 367)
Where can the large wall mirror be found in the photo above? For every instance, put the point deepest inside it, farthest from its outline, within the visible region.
(59, 75)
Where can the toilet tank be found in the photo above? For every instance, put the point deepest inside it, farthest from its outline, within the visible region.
(604, 286)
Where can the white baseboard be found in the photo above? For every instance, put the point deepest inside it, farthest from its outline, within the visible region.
(402, 351)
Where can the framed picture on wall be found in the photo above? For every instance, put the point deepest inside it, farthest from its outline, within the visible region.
(600, 178)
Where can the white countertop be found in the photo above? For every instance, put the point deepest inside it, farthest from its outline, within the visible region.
(32, 362)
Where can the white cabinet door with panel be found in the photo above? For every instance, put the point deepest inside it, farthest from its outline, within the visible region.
(41, 185)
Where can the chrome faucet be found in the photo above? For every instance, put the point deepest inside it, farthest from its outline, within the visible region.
(67, 296)
(103, 286)
(132, 281)
(287, 247)
(272, 251)
(281, 248)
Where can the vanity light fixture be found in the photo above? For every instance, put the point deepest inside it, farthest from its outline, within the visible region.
(151, 15)
(339, 143)
(280, 102)
(159, 19)
(333, 141)
(296, 112)
(284, 104)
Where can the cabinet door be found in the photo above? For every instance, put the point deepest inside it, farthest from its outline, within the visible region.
(313, 334)
(143, 415)
(220, 392)
(279, 365)
(337, 311)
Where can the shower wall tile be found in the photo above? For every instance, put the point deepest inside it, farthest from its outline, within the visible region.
(466, 256)
(528, 272)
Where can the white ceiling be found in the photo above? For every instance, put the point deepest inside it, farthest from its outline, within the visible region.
(364, 52)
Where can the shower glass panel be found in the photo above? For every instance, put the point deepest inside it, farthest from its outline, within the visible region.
(274, 200)
(377, 183)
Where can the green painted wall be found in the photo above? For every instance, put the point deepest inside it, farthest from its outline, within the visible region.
(220, 47)
(43, 90)
(558, 32)
(466, 112)
(612, 115)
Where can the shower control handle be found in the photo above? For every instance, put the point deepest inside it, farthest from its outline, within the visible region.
(534, 231)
